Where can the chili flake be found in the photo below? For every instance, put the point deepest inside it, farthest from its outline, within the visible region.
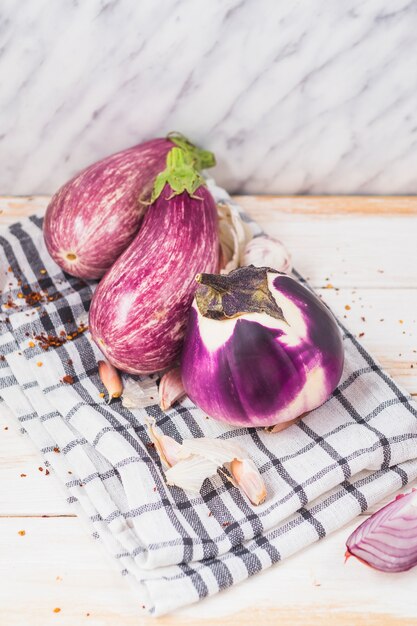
(31, 344)
(39, 363)
(22, 533)
(49, 341)
(361, 334)
(57, 609)
(34, 297)
(69, 380)
(10, 304)
(347, 307)
(23, 475)
(56, 296)
(56, 449)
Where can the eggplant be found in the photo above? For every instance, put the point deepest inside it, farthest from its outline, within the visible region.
(93, 218)
(261, 349)
(139, 311)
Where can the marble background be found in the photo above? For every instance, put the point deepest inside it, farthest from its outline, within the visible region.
(293, 96)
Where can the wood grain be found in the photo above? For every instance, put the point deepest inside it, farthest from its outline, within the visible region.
(358, 252)
(56, 564)
(332, 205)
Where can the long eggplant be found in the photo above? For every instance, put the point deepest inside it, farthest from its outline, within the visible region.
(93, 218)
(139, 311)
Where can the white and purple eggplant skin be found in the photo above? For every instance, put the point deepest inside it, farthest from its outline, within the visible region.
(139, 311)
(257, 370)
(93, 218)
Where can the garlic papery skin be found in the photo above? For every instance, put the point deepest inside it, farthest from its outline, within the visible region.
(171, 388)
(139, 394)
(234, 236)
(266, 251)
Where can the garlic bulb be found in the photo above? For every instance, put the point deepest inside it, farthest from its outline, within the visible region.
(234, 236)
(265, 251)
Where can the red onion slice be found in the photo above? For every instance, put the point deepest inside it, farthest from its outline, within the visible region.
(387, 540)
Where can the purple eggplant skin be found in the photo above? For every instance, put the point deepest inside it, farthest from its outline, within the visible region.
(139, 310)
(255, 371)
(93, 218)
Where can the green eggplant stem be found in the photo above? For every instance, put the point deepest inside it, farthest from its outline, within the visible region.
(180, 174)
(203, 159)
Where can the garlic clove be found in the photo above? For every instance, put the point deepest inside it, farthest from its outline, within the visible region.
(187, 465)
(110, 378)
(169, 450)
(171, 388)
(265, 251)
(249, 480)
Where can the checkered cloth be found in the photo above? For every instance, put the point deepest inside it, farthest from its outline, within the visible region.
(178, 547)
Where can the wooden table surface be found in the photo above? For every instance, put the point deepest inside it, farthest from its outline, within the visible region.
(359, 252)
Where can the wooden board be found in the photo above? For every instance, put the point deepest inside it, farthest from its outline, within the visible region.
(358, 252)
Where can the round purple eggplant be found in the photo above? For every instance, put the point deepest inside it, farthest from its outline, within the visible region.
(260, 348)
(93, 218)
(139, 311)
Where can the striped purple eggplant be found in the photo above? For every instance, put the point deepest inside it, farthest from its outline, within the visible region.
(139, 311)
(92, 219)
(260, 348)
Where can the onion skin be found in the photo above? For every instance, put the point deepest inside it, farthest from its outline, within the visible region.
(387, 540)
(93, 218)
(255, 370)
(139, 310)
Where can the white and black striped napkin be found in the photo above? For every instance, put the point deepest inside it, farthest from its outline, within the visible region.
(175, 547)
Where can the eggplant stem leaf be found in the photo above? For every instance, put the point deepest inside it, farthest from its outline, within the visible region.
(244, 290)
(180, 175)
